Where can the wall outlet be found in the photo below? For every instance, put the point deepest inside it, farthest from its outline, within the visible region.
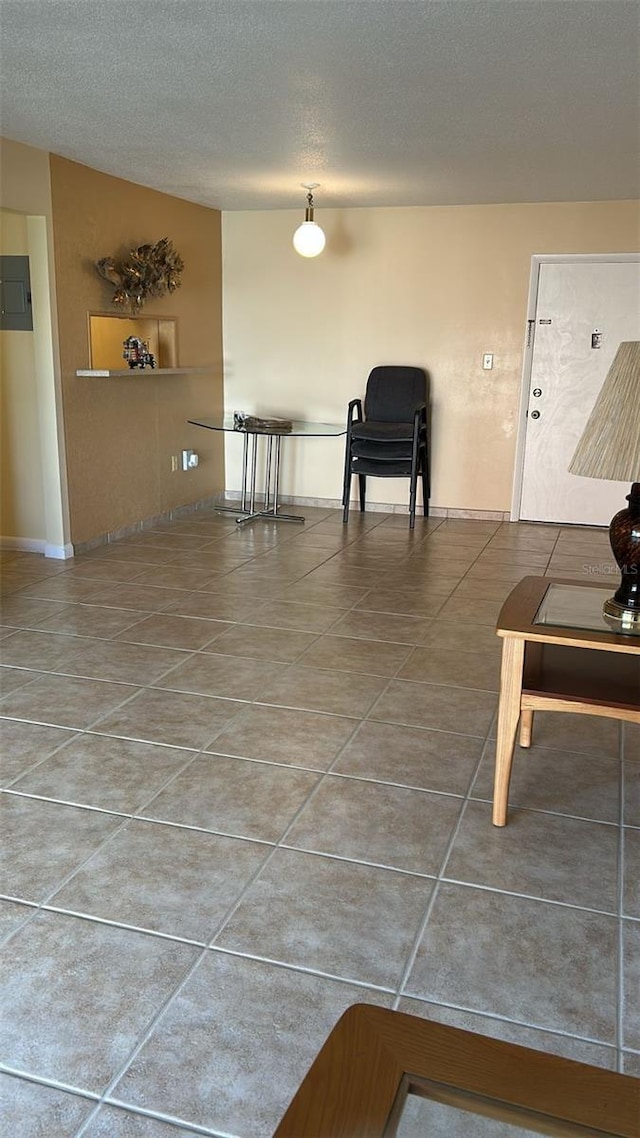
(175, 463)
(189, 459)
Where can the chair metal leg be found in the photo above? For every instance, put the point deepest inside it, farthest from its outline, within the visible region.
(413, 490)
(346, 490)
(363, 482)
(423, 470)
(426, 489)
(346, 482)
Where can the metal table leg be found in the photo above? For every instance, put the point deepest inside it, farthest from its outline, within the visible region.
(271, 485)
(275, 513)
(243, 500)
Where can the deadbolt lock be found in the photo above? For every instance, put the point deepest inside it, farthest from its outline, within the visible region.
(535, 414)
(537, 391)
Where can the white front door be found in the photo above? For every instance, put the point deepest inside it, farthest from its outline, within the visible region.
(584, 310)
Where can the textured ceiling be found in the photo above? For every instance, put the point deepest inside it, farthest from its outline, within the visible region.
(383, 102)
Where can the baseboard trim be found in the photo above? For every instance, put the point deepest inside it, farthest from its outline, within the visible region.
(23, 544)
(36, 545)
(61, 552)
(147, 523)
(214, 500)
(378, 507)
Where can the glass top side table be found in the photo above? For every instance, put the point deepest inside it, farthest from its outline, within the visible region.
(558, 654)
(577, 606)
(273, 432)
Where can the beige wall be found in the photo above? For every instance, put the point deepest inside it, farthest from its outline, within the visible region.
(22, 503)
(120, 433)
(35, 502)
(433, 286)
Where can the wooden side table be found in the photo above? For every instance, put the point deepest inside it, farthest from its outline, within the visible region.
(545, 625)
(374, 1058)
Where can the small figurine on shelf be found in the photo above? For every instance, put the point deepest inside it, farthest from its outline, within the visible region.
(137, 353)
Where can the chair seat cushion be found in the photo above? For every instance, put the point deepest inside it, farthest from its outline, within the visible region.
(381, 452)
(382, 432)
(397, 469)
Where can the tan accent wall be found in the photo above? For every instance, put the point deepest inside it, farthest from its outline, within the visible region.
(121, 432)
(434, 286)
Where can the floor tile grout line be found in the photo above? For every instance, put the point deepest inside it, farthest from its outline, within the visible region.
(33, 910)
(610, 914)
(309, 797)
(45, 1081)
(366, 863)
(550, 812)
(76, 734)
(14, 792)
(284, 834)
(272, 846)
(79, 732)
(122, 926)
(620, 953)
(208, 750)
(413, 952)
(126, 819)
(155, 1116)
(497, 1016)
(301, 969)
(62, 882)
(145, 1034)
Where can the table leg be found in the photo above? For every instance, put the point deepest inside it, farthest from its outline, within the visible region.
(508, 716)
(276, 476)
(277, 513)
(243, 498)
(254, 467)
(526, 726)
(245, 458)
(267, 476)
(272, 482)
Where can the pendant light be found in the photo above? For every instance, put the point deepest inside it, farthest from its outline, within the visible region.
(309, 239)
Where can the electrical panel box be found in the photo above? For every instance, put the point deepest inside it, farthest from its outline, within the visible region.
(15, 295)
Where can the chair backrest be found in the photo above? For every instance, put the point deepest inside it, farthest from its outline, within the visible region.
(393, 392)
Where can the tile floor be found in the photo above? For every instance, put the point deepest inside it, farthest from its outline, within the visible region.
(247, 783)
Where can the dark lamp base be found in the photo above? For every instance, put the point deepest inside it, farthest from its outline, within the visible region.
(621, 619)
(624, 534)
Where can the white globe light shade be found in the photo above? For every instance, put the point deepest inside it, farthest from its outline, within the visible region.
(308, 239)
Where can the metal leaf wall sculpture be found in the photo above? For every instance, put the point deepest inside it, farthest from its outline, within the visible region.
(149, 270)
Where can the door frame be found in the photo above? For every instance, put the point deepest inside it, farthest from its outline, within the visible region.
(537, 260)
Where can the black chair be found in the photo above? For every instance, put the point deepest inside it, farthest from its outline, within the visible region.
(391, 439)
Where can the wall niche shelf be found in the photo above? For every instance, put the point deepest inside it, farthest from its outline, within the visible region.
(107, 333)
(138, 373)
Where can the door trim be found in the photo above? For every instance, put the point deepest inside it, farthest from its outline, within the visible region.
(537, 260)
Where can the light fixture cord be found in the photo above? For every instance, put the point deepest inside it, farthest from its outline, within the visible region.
(309, 210)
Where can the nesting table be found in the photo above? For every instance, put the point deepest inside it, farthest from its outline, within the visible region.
(559, 654)
(273, 436)
(375, 1059)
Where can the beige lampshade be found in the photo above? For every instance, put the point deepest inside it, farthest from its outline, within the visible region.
(610, 443)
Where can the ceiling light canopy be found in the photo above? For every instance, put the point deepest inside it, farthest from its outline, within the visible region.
(309, 239)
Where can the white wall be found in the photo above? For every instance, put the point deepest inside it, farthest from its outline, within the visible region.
(435, 287)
